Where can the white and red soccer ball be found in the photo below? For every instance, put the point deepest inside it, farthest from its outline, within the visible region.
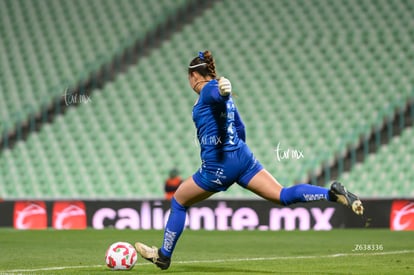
(121, 256)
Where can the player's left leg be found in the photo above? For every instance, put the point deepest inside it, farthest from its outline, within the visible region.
(266, 186)
(186, 195)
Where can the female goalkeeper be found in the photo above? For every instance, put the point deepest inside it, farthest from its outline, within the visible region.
(227, 159)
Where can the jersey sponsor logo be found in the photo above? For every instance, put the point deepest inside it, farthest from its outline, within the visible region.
(230, 104)
(219, 175)
(69, 215)
(402, 215)
(217, 181)
(30, 215)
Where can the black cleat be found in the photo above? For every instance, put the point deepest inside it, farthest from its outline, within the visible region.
(153, 255)
(339, 194)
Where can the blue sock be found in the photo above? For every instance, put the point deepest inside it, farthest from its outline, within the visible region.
(174, 228)
(303, 193)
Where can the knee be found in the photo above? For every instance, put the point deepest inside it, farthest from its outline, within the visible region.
(175, 205)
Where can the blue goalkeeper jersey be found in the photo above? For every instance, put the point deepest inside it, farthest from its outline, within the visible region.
(219, 127)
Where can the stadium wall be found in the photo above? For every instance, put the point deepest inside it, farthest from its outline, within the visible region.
(208, 215)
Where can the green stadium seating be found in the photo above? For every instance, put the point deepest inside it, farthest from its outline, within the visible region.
(312, 76)
(48, 46)
(387, 173)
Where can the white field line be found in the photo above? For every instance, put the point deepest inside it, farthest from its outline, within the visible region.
(280, 258)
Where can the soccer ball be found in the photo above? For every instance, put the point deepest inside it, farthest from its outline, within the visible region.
(121, 256)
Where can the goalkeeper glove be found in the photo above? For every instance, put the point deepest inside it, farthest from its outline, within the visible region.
(224, 86)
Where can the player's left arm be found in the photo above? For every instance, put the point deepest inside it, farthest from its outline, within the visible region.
(238, 123)
(225, 90)
(224, 86)
(217, 93)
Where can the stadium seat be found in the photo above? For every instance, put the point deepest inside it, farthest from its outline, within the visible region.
(387, 172)
(51, 45)
(310, 76)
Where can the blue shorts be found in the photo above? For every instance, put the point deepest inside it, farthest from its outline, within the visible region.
(238, 166)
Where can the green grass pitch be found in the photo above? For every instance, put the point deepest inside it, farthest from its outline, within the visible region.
(362, 251)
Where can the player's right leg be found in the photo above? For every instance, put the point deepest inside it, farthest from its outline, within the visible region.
(266, 186)
(339, 194)
(186, 195)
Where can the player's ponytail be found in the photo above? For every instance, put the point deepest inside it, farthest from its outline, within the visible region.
(203, 64)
